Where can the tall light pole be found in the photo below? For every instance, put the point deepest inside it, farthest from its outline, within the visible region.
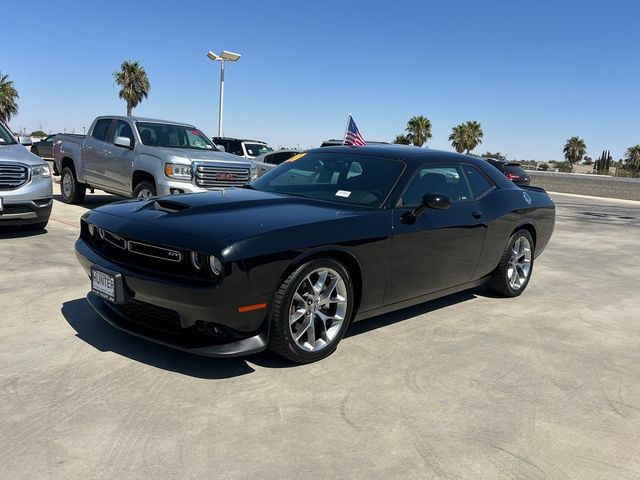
(222, 58)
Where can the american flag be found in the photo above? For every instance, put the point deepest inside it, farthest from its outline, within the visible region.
(353, 135)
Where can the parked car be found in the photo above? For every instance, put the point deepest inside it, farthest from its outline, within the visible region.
(271, 160)
(140, 158)
(243, 147)
(512, 170)
(26, 192)
(338, 234)
(44, 149)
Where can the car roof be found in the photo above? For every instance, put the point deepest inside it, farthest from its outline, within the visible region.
(146, 120)
(239, 139)
(400, 152)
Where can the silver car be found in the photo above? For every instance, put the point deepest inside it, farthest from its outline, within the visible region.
(26, 190)
(271, 160)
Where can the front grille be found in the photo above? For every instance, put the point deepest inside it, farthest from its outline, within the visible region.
(149, 316)
(221, 177)
(16, 208)
(13, 176)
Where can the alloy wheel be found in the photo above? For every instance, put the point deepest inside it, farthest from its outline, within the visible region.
(519, 263)
(67, 185)
(318, 309)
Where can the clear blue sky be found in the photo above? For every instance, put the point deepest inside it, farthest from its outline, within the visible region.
(533, 73)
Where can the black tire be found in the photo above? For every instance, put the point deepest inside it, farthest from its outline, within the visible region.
(55, 168)
(144, 186)
(499, 282)
(281, 339)
(37, 226)
(76, 190)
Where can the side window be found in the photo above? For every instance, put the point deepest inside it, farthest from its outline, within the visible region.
(478, 182)
(236, 148)
(122, 130)
(446, 179)
(101, 129)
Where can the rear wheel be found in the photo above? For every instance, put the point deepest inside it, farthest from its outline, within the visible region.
(514, 271)
(144, 190)
(311, 311)
(72, 191)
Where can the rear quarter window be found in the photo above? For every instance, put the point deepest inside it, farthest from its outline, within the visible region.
(101, 129)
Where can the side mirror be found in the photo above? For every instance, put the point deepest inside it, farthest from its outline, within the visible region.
(124, 142)
(437, 201)
(25, 141)
(221, 148)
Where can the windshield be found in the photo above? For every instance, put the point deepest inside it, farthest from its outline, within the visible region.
(343, 178)
(257, 149)
(173, 136)
(5, 136)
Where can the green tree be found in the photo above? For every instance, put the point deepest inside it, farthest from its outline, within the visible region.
(466, 136)
(38, 133)
(134, 82)
(632, 158)
(402, 139)
(8, 99)
(458, 137)
(574, 150)
(418, 130)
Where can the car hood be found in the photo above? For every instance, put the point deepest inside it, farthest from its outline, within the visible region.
(201, 155)
(227, 215)
(17, 153)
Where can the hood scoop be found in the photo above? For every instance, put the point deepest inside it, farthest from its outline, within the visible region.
(169, 206)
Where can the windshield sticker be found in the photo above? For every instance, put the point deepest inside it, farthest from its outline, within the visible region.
(296, 157)
(343, 193)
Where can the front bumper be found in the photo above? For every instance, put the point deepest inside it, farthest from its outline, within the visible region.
(174, 313)
(30, 203)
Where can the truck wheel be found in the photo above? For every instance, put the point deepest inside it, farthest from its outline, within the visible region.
(72, 191)
(144, 190)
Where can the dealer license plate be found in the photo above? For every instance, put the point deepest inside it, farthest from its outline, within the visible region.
(103, 284)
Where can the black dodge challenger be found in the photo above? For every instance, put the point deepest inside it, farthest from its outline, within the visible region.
(331, 236)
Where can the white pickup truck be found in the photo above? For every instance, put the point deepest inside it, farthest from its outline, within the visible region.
(140, 158)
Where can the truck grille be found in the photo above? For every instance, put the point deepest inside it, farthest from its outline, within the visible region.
(13, 176)
(221, 177)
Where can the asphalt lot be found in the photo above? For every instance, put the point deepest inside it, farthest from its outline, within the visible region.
(546, 385)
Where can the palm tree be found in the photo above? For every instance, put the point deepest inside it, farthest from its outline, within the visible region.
(402, 139)
(633, 157)
(8, 99)
(466, 136)
(475, 135)
(134, 82)
(459, 137)
(419, 130)
(574, 150)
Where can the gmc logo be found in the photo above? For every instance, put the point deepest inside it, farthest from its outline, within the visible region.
(226, 176)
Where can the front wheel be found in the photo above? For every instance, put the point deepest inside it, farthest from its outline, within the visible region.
(311, 311)
(513, 273)
(144, 190)
(72, 191)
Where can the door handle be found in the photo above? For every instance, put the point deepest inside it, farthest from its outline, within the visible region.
(476, 214)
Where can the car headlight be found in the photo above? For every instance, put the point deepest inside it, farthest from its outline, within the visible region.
(41, 171)
(178, 171)
(215, 265)
(254, 174)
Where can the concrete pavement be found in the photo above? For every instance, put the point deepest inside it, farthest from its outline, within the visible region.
(546, 385)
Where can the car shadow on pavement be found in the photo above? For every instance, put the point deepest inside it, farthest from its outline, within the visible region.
(96, 332)
(410, 312)
(92, 201)
(19, 232)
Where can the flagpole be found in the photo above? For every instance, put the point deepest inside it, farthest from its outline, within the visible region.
(344, 137)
